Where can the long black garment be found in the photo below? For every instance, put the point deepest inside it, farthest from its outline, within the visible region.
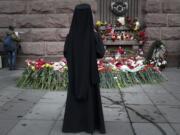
(83, 46)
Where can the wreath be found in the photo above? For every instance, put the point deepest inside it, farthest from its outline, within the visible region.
(119, 8)
(157, 54)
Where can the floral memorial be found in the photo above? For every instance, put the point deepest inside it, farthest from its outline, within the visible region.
(119, 69)
(115, 72)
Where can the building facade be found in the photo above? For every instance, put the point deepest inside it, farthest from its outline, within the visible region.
(44, 24)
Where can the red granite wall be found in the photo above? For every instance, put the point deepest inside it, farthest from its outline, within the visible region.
(44, 24)
(162, 18)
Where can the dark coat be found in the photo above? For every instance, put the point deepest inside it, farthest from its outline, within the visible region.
(82, 48)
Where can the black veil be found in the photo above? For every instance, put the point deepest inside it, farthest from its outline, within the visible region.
(80, 52)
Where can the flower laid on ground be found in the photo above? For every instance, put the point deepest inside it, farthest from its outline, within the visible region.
(115, 72)
(40, 74)
(120, 52)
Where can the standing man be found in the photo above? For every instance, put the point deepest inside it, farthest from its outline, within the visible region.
(11, 45)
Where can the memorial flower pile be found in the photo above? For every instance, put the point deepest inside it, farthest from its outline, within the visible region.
(124, 72)
(125, 29)
(40, 74)
(115, 72)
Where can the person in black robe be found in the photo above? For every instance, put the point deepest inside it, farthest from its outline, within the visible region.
(83, 111)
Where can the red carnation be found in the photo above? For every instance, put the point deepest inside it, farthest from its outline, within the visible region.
(118, 64)
(121, 50)
(142, 34)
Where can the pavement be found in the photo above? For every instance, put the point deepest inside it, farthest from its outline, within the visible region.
(137, 110)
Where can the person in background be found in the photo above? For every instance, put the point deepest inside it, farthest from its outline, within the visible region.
(11, 45)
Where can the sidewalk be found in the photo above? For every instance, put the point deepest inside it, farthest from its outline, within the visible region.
(137, 110)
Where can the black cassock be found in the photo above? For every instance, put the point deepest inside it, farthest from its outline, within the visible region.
(83, 111)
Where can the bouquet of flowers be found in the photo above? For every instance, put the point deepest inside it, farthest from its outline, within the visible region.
(125, 29)
(40, 74)
(157, 55)
(124, 72)
(115, 72)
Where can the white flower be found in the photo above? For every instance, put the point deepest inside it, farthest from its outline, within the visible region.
(58, 65)
(140, 58)
(117, 56)
(119, 37)
(121, 20)
(152, 62)
(159, 64)
(162, 46)
(98, 62)
(17, 33)
(164, 62)
(140, 62)
(62, 63)
(141, 53)
(124, 68)
(114, 67)
(108, 58)
(133, 64)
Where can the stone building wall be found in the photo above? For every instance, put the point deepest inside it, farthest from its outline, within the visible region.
(162, 18)
(43, 24)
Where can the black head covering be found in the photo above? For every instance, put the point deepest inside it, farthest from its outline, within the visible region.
(80, 52)
(82, 19)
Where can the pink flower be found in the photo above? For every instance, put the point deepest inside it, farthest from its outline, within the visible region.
(121, 50)
(118, 64)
